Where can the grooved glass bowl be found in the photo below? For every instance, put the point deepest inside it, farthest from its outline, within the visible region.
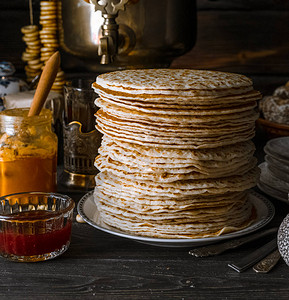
(35, 226)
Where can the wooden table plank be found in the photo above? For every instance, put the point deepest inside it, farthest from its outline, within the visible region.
(101, 266)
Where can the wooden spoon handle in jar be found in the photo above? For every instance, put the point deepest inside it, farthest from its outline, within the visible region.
(45, 83)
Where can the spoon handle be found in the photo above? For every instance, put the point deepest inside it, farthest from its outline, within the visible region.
(45, 83)
(219, 248)
(254, 257)
(266, 264)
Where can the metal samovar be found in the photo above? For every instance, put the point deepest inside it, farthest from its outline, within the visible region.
(104, 35)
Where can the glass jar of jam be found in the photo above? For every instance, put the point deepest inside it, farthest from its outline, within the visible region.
(28, 152)
(35, 226)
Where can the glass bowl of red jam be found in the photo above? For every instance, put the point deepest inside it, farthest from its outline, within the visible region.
(35, 226)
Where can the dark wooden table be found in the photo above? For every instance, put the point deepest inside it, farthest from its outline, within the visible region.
(101, 266)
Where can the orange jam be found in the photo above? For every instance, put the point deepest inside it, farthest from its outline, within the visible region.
(28, 152)
(28, 173)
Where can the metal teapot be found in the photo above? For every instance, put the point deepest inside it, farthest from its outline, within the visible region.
(112, 34)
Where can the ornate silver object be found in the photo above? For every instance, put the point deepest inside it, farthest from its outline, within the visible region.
(252, 258)
(109, 6)
(80, 150)
(80, 138)
(283, 239)
(108, 43)
(147, 34)
(219, 248)
(267, 264)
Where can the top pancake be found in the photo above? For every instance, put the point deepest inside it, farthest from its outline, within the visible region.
(173, 82)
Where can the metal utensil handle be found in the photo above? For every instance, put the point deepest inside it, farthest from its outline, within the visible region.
(267, 264)
(254, 257)
(231, 244)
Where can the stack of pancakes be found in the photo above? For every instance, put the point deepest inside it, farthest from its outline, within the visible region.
(176, 159)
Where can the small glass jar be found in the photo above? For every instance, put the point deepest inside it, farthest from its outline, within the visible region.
(28, 152)
(35, 226)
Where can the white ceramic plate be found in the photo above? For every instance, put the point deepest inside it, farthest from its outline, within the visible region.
(265, 212)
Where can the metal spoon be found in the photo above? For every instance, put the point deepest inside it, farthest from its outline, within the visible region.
(219, 248)
(254, 257)
(267, 264)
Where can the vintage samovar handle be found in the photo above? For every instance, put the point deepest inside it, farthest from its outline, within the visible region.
(108, 44)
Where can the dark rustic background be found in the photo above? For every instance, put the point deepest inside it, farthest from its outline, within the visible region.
(245, 36)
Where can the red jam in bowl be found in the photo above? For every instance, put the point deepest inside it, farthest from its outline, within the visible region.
(37, 226)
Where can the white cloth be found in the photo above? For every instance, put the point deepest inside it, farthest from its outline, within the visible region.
(24, 99)
(54, 102)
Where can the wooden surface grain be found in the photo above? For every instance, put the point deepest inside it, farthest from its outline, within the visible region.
(101, 266)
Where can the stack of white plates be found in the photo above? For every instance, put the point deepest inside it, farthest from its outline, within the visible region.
(274, 179)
